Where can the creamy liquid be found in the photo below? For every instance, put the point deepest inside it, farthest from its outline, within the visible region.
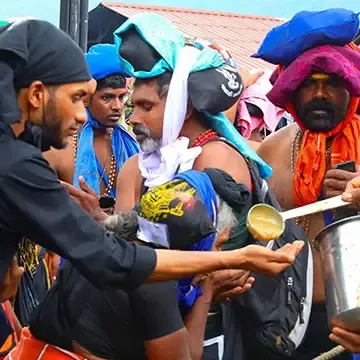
(263, 227)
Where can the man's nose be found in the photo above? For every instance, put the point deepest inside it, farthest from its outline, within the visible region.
(80, 113)
(135, 118)
(117, 104)
(320, 91)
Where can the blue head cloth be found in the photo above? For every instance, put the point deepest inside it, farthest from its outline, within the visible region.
(200, 181)
(102, 60)
(162, 36)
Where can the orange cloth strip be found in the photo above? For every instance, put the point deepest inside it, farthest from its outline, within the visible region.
(11, 340)
(310, 166)
(29, 348)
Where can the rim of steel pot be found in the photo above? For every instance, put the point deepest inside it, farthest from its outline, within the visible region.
(330, 227)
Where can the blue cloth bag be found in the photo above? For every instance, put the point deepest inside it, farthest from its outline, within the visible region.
(307, 29)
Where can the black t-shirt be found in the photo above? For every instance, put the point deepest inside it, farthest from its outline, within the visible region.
(33, 204)
(112, 325)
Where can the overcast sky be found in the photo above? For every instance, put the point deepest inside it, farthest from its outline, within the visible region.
(49, 9)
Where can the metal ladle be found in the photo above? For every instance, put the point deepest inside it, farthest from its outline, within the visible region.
(265, 223)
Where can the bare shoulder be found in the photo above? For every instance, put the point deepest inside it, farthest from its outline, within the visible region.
(129, 174)
(254, 145)
(277, 142)
(52, 157)
(130, 167)
(56, 158)
(219, 155)
(128, 184)
(62, 161)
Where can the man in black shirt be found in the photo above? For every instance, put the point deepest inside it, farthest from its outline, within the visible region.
(146, 323)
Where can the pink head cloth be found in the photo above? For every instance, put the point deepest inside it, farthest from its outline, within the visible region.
(342, 61)
(256, 95)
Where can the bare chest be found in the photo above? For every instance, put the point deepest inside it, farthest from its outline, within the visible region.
(107, 173)
(282, 185)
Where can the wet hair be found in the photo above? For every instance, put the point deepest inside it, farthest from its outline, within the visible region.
(226, 216)
(125, 225)
(113, 81)
(162, 83)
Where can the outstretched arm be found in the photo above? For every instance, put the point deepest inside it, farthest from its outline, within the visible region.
(177, 264)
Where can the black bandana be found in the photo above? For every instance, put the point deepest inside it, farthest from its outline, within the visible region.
(35, 50)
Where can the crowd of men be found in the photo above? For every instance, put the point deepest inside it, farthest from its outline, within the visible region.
(91, 214)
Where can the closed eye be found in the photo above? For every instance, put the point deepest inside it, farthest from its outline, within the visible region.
(144, 105)
(79, 96)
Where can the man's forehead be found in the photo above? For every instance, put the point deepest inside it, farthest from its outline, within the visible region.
(320, 76)
(145, 91)
(110, 90)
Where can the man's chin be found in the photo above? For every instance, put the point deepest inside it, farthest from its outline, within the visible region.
(148, 146)
(60, 143)
(110, 122)
(319, 124)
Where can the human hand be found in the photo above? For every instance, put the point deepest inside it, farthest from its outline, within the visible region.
(335, 182)
(268, 262)
(86, 198)
(223, 285)
(228, 284)
(347, 339)
(108, 211)
(250, 77)
(11, 281)
(352, 190)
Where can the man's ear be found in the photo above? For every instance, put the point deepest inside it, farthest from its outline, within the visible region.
(92, 84)
(36, 94)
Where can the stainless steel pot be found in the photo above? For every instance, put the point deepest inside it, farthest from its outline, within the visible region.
(339, 246)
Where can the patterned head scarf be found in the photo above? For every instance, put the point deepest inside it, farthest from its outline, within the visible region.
(181, 214)
(169, 51)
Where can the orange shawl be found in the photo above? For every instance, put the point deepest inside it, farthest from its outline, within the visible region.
(30, 348)
(310, 166)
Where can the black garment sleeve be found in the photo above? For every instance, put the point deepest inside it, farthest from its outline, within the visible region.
(42, 210)
(155, 310)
